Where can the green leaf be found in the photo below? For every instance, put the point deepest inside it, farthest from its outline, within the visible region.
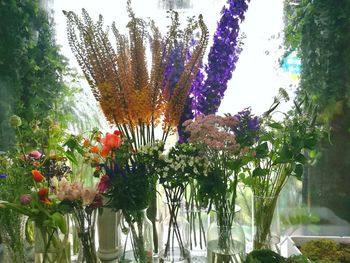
(260, 172)
(298, 171)
(300, 158)
(276, 125)
(284, 155)
(262, 150)
(58, 220)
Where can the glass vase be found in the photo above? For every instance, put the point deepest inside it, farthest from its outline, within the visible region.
(174, 241)
(50, 246)
(199, 222)
(137, 237)
(87, 249)
(266, 234)
(226, 240)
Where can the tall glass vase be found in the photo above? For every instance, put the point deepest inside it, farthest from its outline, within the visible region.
(50, 246)
(85, 227)
(266, 232)
(137, 237)
(226, 240)
(174, 239)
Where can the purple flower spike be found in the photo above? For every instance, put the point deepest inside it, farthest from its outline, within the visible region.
(3, 176)
(222, 57)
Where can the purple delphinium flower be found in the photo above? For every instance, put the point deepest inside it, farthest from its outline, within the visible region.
(189, 110)
(222, 57)
(247, 129)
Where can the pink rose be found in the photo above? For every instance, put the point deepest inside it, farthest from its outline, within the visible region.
(35, 154)
(88, 195)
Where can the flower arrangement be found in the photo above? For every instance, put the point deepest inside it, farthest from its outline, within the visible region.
(81, 202)
(175, 170)
(226, 144)
(131, 98)
(42, 209)
(126, 182)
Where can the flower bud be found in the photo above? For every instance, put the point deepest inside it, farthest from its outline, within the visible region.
(15, 121)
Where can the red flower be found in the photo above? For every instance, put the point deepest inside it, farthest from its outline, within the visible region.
(37, 176)
(43, 192)
(95, 159)
(118, 133)
(111, 141)
(104, 184)
(105, 152)
(94, 149)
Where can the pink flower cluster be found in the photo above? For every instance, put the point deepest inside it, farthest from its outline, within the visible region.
(214, 131)
(75, 191)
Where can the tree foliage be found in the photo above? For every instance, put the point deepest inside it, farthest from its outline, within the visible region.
(31, 67)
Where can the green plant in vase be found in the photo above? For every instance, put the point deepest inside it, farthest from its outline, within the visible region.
(225, 144)
(280, 152)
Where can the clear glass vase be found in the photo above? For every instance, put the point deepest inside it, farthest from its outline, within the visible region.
(226, 240)
(174, 236)
(137, 237)
(87, 249)
(50, 246)
(266, 231)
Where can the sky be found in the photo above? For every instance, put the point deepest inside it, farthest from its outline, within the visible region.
(257, 77)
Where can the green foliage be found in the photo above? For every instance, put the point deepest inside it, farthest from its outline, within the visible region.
(264, 256)
(326, 251)
(31, 68)
(319, 31)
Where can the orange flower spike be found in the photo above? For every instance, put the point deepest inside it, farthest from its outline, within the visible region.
(37, 176)
(94, 149)
(86, 143)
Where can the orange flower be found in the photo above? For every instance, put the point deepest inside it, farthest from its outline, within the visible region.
(37, 164)
(98, 168)
(86, 143)
(94, 149)
(95, 159)
(46, 201)
(111, 141)
(37, 176)
(43, 192)
(105, 152)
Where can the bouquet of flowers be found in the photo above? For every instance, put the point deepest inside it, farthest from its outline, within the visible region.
(128, 184)
(226, 143)
(42, 209)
